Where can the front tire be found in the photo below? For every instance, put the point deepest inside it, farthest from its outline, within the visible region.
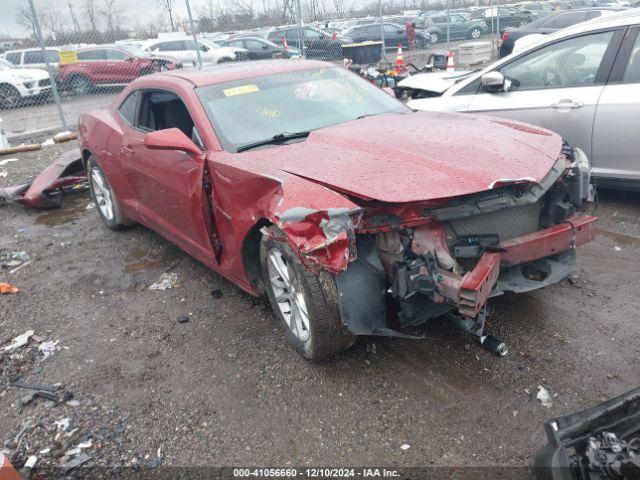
(475, 33)
(435, 38)
(105, 200)
(9, 96)
(80, 85)
(306, 303)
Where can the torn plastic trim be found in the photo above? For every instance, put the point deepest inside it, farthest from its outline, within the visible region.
(322, 238)
(67, 171)
(493, 200)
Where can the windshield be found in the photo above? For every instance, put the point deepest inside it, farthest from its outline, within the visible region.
(255, 109)
(135, 51)
(6, 65)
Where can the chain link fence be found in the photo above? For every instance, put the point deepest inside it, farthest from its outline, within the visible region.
(61, 57)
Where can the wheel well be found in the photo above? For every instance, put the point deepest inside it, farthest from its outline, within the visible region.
(85, 158)
(8, 85)
(251, 255)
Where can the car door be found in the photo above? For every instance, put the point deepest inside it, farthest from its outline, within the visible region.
(556, 86)
(616, 142)
(166, 185)
(458, 27)
(117, 68)
(258, 50)
(94, 64)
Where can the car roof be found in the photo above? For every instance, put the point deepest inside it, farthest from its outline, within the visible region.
(228, 72)
(618, 19)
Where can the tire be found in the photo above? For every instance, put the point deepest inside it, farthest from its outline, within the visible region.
(435, 37)
(9, 96)
(475, 33)
(102, 195)
(323, 335)
(80, 85)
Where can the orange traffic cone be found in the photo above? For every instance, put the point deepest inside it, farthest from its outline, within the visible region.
(450, 66)
(399, 60)
(7, 472)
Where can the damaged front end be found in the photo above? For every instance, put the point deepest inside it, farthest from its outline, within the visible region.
(451, 255)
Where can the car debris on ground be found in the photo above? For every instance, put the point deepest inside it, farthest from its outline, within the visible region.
(8, 288)
(64, 175)
(166, 281)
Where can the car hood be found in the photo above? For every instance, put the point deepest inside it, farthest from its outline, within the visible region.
(420, 156)
(435, 82)
(24, 74)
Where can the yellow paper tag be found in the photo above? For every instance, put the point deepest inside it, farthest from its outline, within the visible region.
(241, 90)
(68, 56)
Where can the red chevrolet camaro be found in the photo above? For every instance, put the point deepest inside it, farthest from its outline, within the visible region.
(303, 182)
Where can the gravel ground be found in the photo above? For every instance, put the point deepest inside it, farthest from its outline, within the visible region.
(224, 388)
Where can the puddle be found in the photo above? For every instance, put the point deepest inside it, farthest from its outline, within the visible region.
(620, 238)
(73, 207)
(143, 259)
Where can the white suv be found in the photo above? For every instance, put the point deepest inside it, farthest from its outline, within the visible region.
(19, 84)
(183, 50)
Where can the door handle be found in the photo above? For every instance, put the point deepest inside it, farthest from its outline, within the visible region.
(126, 150)
(564, 104)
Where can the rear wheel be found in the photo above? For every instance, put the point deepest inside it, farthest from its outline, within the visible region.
(9, 96)
(304, 302)
(435, 38)
(106, 201)
(80, 85)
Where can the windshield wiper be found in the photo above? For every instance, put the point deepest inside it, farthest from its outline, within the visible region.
(276, 139)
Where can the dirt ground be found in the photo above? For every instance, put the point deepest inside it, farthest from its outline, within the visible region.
(224, 388)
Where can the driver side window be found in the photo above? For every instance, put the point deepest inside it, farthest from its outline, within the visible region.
(570, 63)
(161, 109)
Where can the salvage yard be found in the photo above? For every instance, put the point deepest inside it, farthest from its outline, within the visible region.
(225, 387)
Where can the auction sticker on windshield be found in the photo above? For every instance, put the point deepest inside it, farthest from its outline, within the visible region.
(241, 90)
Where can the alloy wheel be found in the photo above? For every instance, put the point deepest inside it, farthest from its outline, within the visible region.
(288, 294)
(101, 194)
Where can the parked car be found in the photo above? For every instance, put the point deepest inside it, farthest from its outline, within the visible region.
(501, 18)
(259, 48)
(537, 9)
(559, 5)
(184, 50)
(17, 84)
(394, 35)
(33, 57)
(331, 198)
(110, 65)
(550, 24)
(581, 82)
(459, 27)
(312, 42)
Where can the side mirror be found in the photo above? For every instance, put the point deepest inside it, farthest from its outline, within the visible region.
(494, 82)
(399, 32)
(129, 59)
(204, 48)
(265, 47)
(170, 139)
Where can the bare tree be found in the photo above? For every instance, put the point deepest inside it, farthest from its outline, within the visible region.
(111, 14)
(74, 19)
(90, 11)
(168, 6)
(25, 20)
(342, 7)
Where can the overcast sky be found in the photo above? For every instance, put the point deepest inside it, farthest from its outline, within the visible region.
(132, 11)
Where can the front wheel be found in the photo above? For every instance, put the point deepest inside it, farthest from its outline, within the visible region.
(435, 38)
(80, 85)
(105, 200)
(475, 33)
(306, 303)
(9, 96)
